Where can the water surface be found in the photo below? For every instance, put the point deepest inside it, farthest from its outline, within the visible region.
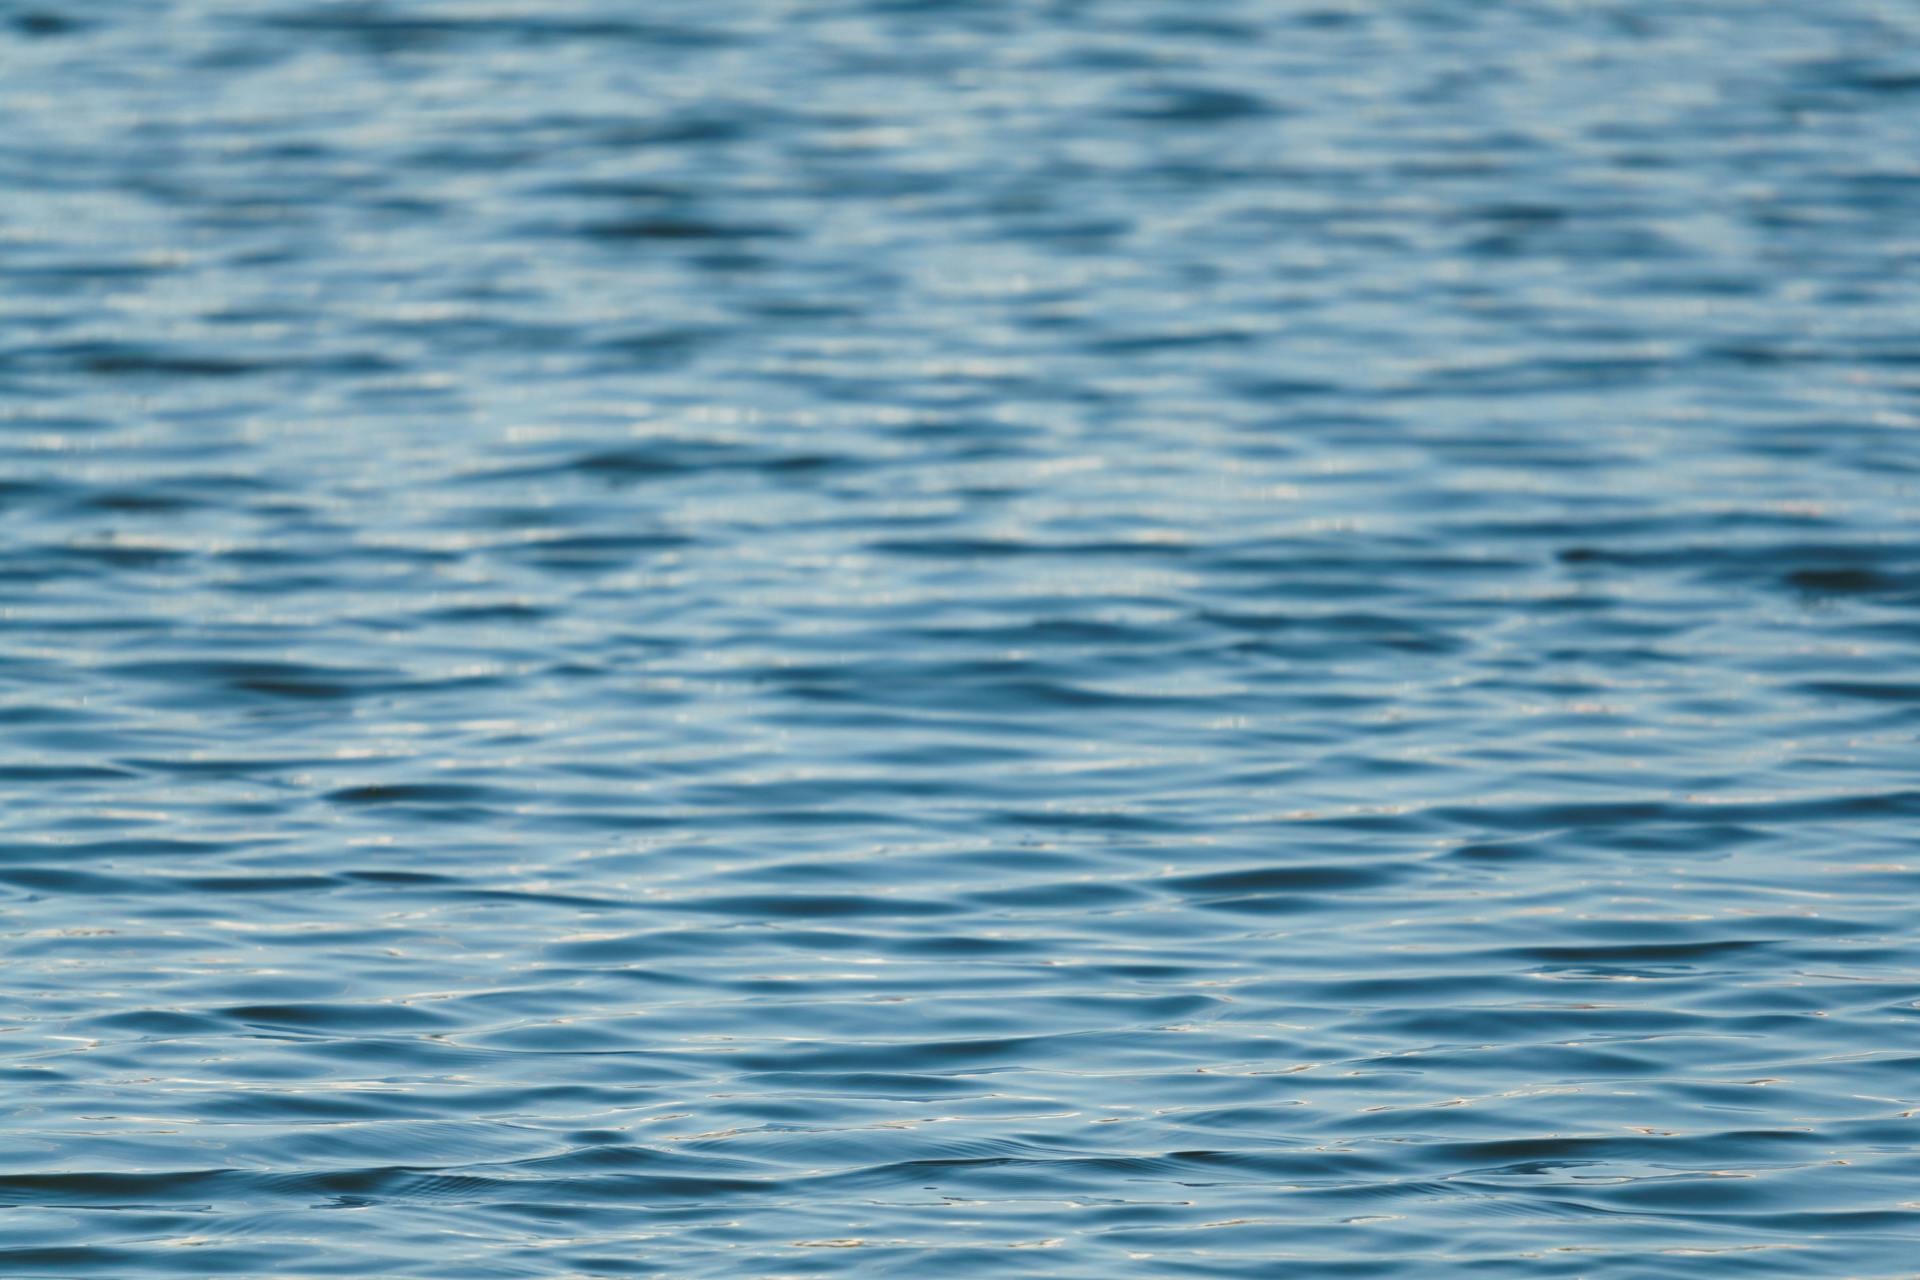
(873, 638)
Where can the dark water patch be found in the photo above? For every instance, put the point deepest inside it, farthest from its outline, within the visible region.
(671, 458)
(1197, 104)
(1844, 581)
(257, 884)
(813, 906)
(113, 360)
(109, 851)
(42, 24)
(400, 877)
(672, 230)
(1068, 895)
(55, 880)
(1293, 878)
(23, 773)
(291, 680)
(404, 793)
(372, 1018)
(389, 29)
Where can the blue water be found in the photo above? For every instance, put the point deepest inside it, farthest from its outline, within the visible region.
(1085, 638)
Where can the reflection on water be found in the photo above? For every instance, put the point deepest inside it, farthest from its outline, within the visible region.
(836, 638)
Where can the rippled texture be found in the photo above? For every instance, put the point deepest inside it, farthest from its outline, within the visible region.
(1096, 638)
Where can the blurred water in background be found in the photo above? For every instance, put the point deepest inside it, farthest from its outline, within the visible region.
(1096, 638)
